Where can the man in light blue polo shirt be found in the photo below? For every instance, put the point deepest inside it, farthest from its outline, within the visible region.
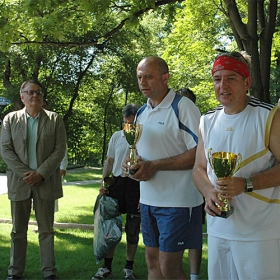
(33, 145)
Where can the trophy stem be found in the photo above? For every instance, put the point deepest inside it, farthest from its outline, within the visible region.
(132, 133)
(224, 165)
(132, 156)
(226, 210)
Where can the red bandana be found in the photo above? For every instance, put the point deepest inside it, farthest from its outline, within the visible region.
(225, 62)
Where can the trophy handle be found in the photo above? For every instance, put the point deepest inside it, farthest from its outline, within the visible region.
(238, 163)
(210, 157)
(139, 128)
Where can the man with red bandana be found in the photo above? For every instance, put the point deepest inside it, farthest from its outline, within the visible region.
(246, 244)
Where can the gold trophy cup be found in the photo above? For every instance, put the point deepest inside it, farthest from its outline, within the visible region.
(107, 183)
(224, 164)
(132, 134)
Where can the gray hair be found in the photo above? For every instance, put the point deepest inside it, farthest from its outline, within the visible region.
(187, 93)
(30, 82)
(130, 110)
(242, 56)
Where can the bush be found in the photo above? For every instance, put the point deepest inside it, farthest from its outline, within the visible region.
(3, 165)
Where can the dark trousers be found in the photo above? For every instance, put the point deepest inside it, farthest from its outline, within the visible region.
(44, 211)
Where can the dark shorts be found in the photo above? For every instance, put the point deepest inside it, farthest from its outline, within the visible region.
(127, 192)
(203, 212)
(172, 229)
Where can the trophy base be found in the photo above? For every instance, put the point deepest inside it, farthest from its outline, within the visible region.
(226, 214)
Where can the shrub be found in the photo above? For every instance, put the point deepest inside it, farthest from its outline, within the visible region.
(3, 165)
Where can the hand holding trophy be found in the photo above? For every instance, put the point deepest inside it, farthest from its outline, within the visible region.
(224, 164)
(107, 182)
(132, 134)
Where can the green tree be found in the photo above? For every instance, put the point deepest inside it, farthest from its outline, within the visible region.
(88, 81)
(229, 25)
(190, 49)
(253, 33)
(85, 53)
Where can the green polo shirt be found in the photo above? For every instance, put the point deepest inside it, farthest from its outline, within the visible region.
(32, 129)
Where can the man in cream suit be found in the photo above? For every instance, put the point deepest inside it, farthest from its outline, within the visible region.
(33, 143)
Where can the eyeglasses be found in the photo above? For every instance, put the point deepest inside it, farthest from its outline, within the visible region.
(31, 92)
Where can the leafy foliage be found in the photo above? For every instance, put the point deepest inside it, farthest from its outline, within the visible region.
(86, 52)
(3, 165)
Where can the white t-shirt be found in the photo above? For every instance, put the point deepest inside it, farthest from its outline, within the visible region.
(118, 150)
(162, 138)
(253, 219)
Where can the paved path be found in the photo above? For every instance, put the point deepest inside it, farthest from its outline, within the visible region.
(3, 181)
(3, 190)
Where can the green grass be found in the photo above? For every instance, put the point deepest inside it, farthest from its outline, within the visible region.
(74, 247)
(84, 174)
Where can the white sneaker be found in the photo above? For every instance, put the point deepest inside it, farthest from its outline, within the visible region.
(128, 273)
(102, 273)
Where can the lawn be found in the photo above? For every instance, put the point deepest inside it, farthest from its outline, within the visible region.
(74, 246)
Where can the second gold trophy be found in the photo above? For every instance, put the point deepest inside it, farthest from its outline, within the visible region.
(132, 133)
(224, 165)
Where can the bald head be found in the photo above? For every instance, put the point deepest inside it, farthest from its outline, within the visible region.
(158, 64)
(153, 76)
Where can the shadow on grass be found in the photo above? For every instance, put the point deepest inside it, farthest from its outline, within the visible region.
(74, 247)
(4, 253)
(86, 218)
(75, 256)
(84, 266)
(76, 206)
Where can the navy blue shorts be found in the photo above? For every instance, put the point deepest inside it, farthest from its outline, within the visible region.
(171, 228)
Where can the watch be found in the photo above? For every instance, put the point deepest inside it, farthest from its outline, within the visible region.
(249, 185)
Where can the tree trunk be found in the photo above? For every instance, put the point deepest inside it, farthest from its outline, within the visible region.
(257, 46)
